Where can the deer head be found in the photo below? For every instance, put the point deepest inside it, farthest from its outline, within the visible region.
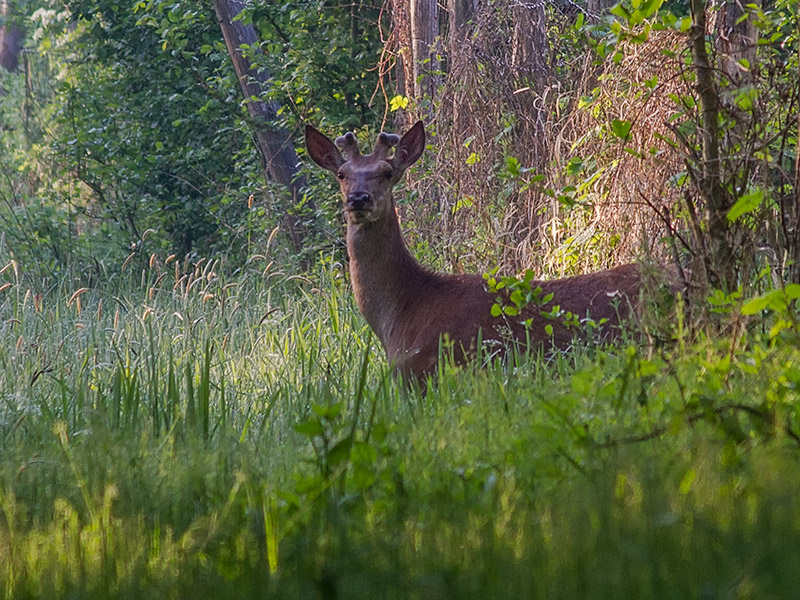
(366, 181)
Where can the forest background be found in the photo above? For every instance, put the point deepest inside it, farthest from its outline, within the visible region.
(563, 137)
(190, 403)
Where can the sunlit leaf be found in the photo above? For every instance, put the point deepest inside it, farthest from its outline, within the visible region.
(746, 204)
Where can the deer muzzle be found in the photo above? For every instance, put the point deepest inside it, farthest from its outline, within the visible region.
(358, 201)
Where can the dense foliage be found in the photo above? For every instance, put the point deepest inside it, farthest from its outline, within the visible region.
(323, 58)
(141, 127)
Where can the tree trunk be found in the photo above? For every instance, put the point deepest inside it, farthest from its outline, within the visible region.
(529, 52)
(461, 12)
(424, 31)
(274, 143)
(736, 40)
(11, 38)
(596, 9)
(794, 244)
(718, 202)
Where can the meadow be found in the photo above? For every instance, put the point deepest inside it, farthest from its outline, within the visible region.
(178, 431)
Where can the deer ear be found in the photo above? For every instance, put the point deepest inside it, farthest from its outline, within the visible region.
(410, 147)
(322, 151)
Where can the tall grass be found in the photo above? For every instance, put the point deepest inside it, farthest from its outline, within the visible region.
(191, 433)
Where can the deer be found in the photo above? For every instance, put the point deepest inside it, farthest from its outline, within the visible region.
(414, 310)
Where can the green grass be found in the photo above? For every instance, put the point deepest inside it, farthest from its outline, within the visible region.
(180, 433)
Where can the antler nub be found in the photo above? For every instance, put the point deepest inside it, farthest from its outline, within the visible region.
(348, 144)
(386, 141)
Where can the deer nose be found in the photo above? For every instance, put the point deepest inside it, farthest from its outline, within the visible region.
(358, 200)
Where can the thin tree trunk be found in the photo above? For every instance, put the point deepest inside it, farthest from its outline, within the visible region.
(11, 38)
(461, 12)
(401, 25)
(424, 31)
(717, 200)
(274, 143)
(736, 40)
(529, 52)
(794, 243)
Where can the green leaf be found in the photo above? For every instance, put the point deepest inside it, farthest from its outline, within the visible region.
(574, 166)
(621, 128)
(746, 204)
(513, 166)
(621, 12)
(792, 291)
(473, 159)
(647, 367)
(757, 304)
(310, 428)
(744, 101)
(687, 481)
(650, 7)
(585, 101)
(776, 300)
(496, 310)
(330, 411)
(398, 102)
(582, 382)
(340, 452)
(465, 202)
(678, 179)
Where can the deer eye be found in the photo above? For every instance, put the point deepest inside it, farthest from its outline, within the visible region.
(388, 174)
(340, 175)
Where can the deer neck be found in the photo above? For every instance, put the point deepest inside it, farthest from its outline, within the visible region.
(384, 275)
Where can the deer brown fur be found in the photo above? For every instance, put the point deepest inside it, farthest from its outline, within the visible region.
(411, 308)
